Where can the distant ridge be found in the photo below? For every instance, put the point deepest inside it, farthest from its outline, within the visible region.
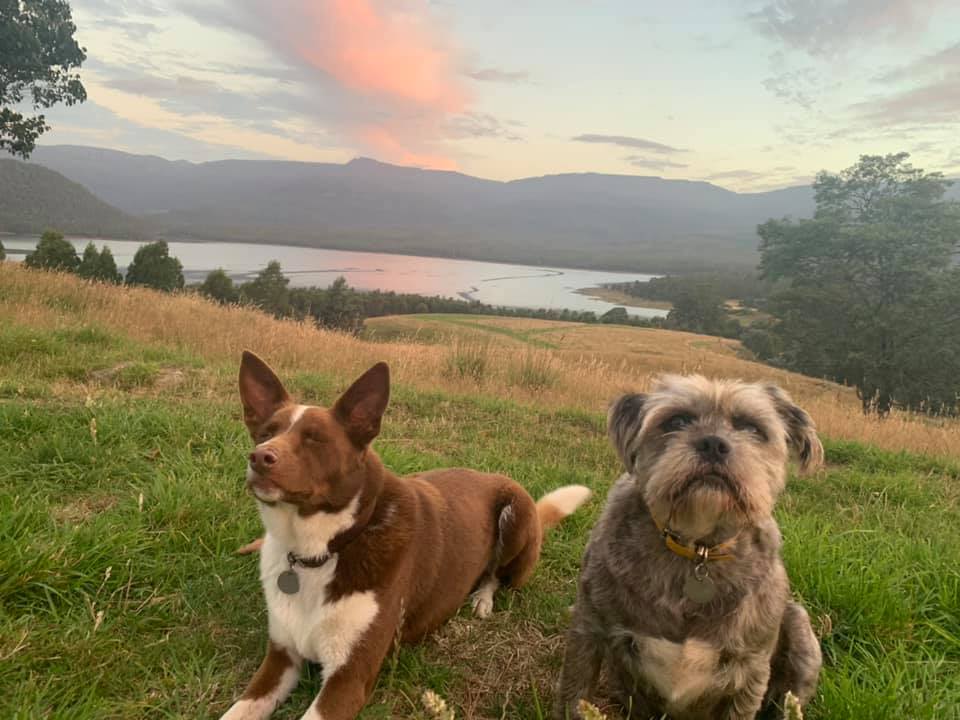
(588, 220)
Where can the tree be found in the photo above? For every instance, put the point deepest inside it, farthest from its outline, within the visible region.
(89, 263)
(874, 261)
(154, 267)
(340, 308)
(615, 315)
(98, 265)
(219, 286)
(268, 290)
(108, 271)
(698, 309)
(3, 252)
(37, 54)
(53, 253)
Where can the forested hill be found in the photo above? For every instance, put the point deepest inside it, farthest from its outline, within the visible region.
(33, 198)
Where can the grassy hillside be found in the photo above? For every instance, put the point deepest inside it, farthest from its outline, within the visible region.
(121, 501)
(33, 199)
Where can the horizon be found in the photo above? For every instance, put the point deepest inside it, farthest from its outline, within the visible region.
(43, 146)
(748, 95)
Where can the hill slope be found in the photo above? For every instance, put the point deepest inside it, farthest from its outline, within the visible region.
(122, 500)
(583, 220)
(33, 198)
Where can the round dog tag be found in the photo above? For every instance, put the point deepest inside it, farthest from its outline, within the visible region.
(288, 582)
(699, 590)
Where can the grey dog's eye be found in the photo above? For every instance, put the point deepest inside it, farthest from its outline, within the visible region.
(678, 422)
(745, 425)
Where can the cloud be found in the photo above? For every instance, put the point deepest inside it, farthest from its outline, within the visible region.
(397, 64)
(492, 74)
(208, 127)
(828, 28)
(629, 142)
(654, 163)
(795, 86)
(920, 94)
(482, 125)
(137, 31)
(933, 103)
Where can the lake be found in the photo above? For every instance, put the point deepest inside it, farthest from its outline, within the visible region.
(492, 283)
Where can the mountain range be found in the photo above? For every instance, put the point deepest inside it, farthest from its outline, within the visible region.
(586, 220)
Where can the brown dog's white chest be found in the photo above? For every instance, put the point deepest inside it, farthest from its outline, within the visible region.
(317, 627)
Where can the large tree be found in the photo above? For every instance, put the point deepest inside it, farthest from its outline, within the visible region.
(870, 284)
(153, 266)
(38, 55)
(53, 253)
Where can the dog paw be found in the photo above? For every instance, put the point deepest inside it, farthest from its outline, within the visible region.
(482, 605)
(483, 598)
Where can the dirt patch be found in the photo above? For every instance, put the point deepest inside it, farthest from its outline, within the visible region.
(138, 376)
(82, 509)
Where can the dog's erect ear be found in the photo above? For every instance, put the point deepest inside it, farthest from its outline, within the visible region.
(801, 431)
(361, 407)
(261, 391)
(623, 423)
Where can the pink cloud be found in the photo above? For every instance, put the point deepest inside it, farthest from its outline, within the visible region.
(392, 55)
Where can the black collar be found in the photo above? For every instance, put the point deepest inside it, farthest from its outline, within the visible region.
(309, 562)
(336, 544)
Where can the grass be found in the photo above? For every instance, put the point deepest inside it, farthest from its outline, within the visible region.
(121, 504)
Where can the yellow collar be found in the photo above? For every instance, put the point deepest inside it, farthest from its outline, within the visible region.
(697, 552)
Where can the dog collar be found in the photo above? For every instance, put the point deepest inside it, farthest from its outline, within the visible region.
(696, 551)
(289, 582)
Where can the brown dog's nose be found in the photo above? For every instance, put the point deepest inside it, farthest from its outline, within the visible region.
(262, 458)
(713, 448)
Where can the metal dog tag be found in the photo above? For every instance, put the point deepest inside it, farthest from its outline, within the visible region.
(699, 590)
(288, 582)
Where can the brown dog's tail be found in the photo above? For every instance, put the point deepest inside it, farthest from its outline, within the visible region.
(250, 547)
(558, 504)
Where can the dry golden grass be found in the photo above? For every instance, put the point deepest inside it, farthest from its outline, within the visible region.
(589, 364)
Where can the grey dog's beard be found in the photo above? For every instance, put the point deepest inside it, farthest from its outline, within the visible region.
(712, 482)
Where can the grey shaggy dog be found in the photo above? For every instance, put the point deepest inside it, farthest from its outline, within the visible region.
(682, 592)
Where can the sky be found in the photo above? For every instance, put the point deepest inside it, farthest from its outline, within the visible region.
(747, 94)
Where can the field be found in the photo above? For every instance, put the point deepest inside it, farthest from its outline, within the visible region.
(121, 502)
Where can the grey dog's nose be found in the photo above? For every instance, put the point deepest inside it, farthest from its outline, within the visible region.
(713, 448)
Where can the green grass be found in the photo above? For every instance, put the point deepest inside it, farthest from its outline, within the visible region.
(120, 509)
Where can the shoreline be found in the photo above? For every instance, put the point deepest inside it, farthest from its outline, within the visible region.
(617, 297)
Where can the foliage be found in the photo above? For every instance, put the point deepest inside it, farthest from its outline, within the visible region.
(53, 253)
(615, 315)
(268, 291)
(99, 265)
(37, 55)
(876, 259)
(700, 309)
(3, 252)
(33, 198)
(219, 286)
(152, 266)
(746, 286)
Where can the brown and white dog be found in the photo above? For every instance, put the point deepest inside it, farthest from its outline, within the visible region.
(354, 556)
